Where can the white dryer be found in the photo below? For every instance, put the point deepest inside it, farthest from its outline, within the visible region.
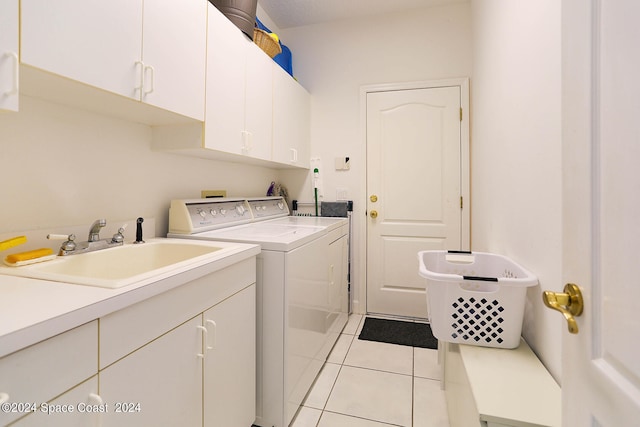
(302, 301)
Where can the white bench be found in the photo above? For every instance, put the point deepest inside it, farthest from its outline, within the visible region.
(491, 387)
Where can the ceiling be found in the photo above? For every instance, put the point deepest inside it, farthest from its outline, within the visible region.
(295, 13)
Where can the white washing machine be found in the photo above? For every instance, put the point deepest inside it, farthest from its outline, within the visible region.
(302, 300)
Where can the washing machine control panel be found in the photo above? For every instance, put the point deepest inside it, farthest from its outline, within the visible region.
(197, 215)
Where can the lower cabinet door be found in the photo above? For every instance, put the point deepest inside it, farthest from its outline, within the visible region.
(80, 406)
(230, 361)
(159, 384)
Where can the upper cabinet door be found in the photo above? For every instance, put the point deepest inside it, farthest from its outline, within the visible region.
(158, 58)
(9, 55)
(95, 42)
(174, 55)
(259, 102)
(226, 67)
(291, 120)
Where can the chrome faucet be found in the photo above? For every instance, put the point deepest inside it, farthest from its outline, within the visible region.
(94, 232)
(93, 243)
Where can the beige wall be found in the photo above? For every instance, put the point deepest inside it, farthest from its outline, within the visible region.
(63, 166)
(333, 61)
(516, 151)
(511, 52)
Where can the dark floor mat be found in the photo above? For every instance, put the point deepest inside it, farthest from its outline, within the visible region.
(398, 332)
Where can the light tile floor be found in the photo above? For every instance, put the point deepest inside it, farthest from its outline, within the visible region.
(370, 384)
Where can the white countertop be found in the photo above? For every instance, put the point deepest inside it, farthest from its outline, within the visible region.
(33, 310)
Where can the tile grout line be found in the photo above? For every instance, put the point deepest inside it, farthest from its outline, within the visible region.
(353, 336)
(338, 374)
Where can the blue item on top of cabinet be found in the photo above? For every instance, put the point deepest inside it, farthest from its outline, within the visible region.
(283, 59)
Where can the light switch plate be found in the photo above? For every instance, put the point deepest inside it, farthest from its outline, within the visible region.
(342, 164)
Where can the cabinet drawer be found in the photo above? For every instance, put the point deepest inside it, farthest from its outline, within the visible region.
(129, 329)
(42, 371)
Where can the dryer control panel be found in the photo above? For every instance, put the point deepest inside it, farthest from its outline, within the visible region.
(198, 215)
(272, 207)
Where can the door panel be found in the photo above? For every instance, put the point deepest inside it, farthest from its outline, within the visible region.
(601, 202)
(414, 186)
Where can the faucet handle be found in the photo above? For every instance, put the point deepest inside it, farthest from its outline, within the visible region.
(67, 246)
(119, 236)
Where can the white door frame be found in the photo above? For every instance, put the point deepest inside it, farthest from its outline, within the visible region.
(360, 303)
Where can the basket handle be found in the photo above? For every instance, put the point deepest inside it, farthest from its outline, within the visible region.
(480, 278)
(460, 257)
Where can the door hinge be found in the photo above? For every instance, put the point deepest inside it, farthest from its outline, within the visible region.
(460, 114)
(461, 203)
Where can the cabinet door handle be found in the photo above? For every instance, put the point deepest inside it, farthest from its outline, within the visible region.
(247, 142)
(139, 76)
(204, 337)
(214, 334)
(294, 155)
(95, 399)
(16, 73)
(152, 73)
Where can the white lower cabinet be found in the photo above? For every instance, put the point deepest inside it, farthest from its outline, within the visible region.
(229, 363)
(159, 384)
(184, 357)
(210, 358)
(50, 368)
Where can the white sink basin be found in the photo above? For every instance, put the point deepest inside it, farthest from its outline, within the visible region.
(123, 265)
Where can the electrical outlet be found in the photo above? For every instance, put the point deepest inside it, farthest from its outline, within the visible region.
(342, 193)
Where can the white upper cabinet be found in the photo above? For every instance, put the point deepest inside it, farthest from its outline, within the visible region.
(259, 102)
(9, 60)
(291, 120)
(174, 55)
(226, 64)
(100, 43)
(239, 92)
(91, 41)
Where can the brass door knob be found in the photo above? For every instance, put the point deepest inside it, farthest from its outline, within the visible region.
(374, 214)
(570, 304)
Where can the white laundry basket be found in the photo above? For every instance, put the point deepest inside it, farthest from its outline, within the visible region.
(475, 298)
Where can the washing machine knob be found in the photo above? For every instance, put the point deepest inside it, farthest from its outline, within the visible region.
(213, 212)
(240, 209)
(281, 205)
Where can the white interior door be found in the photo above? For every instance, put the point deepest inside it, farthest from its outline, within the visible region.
(601, 199)
(415, 188)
